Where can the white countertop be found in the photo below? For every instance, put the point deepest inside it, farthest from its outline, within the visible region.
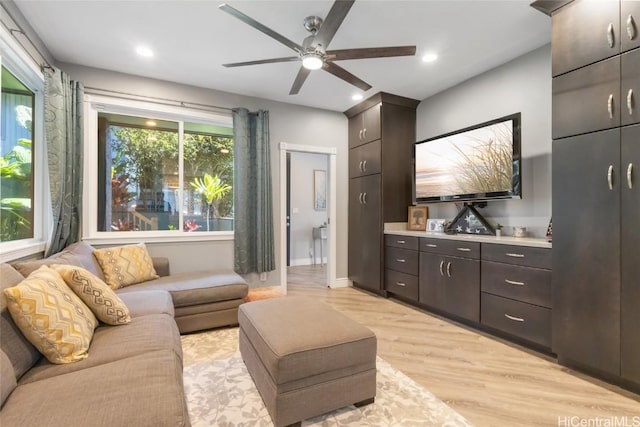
(401, 230)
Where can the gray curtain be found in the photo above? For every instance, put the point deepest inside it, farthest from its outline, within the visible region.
(253, 205)
(63, 134)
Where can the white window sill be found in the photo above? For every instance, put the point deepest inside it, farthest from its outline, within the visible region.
(116, 238)
(11, 251)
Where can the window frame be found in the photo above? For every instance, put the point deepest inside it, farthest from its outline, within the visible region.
(100, 103)
(18, 62)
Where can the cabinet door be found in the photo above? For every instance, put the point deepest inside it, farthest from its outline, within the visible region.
(630, 259)
(372, 122)
(630, 87)
(587, 99)
(586, 249)
(629, 24)
(432, 291)
(584, 32)
(365, 233)
(356, 125)
(365, 160)
(462, 285)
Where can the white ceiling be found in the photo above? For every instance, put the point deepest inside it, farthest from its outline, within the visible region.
(191, 39)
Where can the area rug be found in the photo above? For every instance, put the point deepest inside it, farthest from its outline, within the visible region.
(220, 392)
(256, 294)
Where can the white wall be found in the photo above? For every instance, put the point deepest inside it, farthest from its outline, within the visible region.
(522, 85)
(289, 123)
(303, 214)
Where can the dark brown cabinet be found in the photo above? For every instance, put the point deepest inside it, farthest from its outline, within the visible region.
(584, 32)
(630, 24)
(401, 266)
(630, 87)
(381, 134)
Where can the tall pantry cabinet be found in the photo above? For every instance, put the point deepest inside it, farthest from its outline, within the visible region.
(382, 131)
(596, 187)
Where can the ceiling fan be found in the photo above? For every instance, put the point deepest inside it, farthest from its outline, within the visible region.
(313, 52)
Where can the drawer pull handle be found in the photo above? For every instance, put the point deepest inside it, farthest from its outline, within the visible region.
(630, 101)
(512, 255)
(364, 133)
(631, 27)
(630, 176)
(464, 249)
(513, 282)
(402, 242)
(364, 166)
(449, 269)
(514, 318)
(401, 260)
(441, 265)
(610, 177)
(610, 39)
(364, 198)
(610, 106)
(360, 135)
(360, 166)
(431, 245)
(401, 284)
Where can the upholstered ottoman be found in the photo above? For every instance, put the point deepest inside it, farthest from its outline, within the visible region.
(306, 358)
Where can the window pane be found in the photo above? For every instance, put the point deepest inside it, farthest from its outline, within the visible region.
(208, 177)
(16, 159)
(138, 173)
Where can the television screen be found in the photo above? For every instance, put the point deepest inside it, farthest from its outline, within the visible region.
(478, 163)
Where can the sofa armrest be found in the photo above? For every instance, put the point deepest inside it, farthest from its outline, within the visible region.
(161, 265)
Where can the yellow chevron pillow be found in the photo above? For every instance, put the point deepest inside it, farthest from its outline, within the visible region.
(51, 316)
(96, 294)
(125, 265)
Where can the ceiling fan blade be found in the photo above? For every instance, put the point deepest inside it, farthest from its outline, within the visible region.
(343, 74)
(299, 81)
(333, 21)
(260, 27)
(371, 52)
(262, 61)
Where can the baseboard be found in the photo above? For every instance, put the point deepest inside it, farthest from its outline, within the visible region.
(342, 282)
(299, 261)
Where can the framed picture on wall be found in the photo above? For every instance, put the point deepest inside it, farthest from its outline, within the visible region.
(319, 189)
(417, 218)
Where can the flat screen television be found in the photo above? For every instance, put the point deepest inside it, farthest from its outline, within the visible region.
(474, 164)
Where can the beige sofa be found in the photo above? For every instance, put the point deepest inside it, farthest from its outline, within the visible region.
(133, 375)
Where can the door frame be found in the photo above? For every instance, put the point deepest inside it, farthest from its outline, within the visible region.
(331, 208)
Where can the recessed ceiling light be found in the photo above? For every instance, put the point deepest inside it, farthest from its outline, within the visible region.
(356, 97)
(150, 123)
(144, 51)
(430, 57)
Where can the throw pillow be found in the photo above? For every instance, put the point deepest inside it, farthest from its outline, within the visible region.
(96, 294)
(51, 316)
(125, 265)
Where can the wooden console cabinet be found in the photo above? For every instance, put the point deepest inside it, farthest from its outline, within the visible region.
(502, 288)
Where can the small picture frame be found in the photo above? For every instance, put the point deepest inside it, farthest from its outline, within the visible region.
(436, 225)
(417, 218)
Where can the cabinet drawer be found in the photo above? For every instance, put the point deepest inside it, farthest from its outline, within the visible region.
(365, 160)
(520, 255)
(403, 260)
(523, 320)
(531, 285)
(630, 86)
(450, 247)
(403, 284)
(580, 34)
(398, 241)
(586, 100)
(629, 24)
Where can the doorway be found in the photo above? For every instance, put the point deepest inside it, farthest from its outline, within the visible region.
(307, 208)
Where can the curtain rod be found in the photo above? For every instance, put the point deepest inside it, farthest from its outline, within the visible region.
(44, 64)
(157, 100)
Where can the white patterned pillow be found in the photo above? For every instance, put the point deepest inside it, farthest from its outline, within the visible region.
(51, 316)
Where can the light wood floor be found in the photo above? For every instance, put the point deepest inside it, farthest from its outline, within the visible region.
(487, 380)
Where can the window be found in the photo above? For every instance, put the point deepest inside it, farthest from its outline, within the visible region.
(23, 207)
(160, 173)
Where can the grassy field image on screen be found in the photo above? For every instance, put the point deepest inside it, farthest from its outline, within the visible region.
(475, 162)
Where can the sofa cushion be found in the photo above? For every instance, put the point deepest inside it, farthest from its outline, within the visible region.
(96, 294)
(51, 316)
(198, 287)
(7, 377)
(125, 265)
(84, 252)
(27, 267)
(111, 343)
(145, 302)
(145, 390)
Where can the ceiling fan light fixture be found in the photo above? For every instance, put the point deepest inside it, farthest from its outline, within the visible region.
(312, 61)
(357, 97)
(430, 57)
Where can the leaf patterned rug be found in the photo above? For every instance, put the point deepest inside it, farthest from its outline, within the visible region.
(220, 392)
